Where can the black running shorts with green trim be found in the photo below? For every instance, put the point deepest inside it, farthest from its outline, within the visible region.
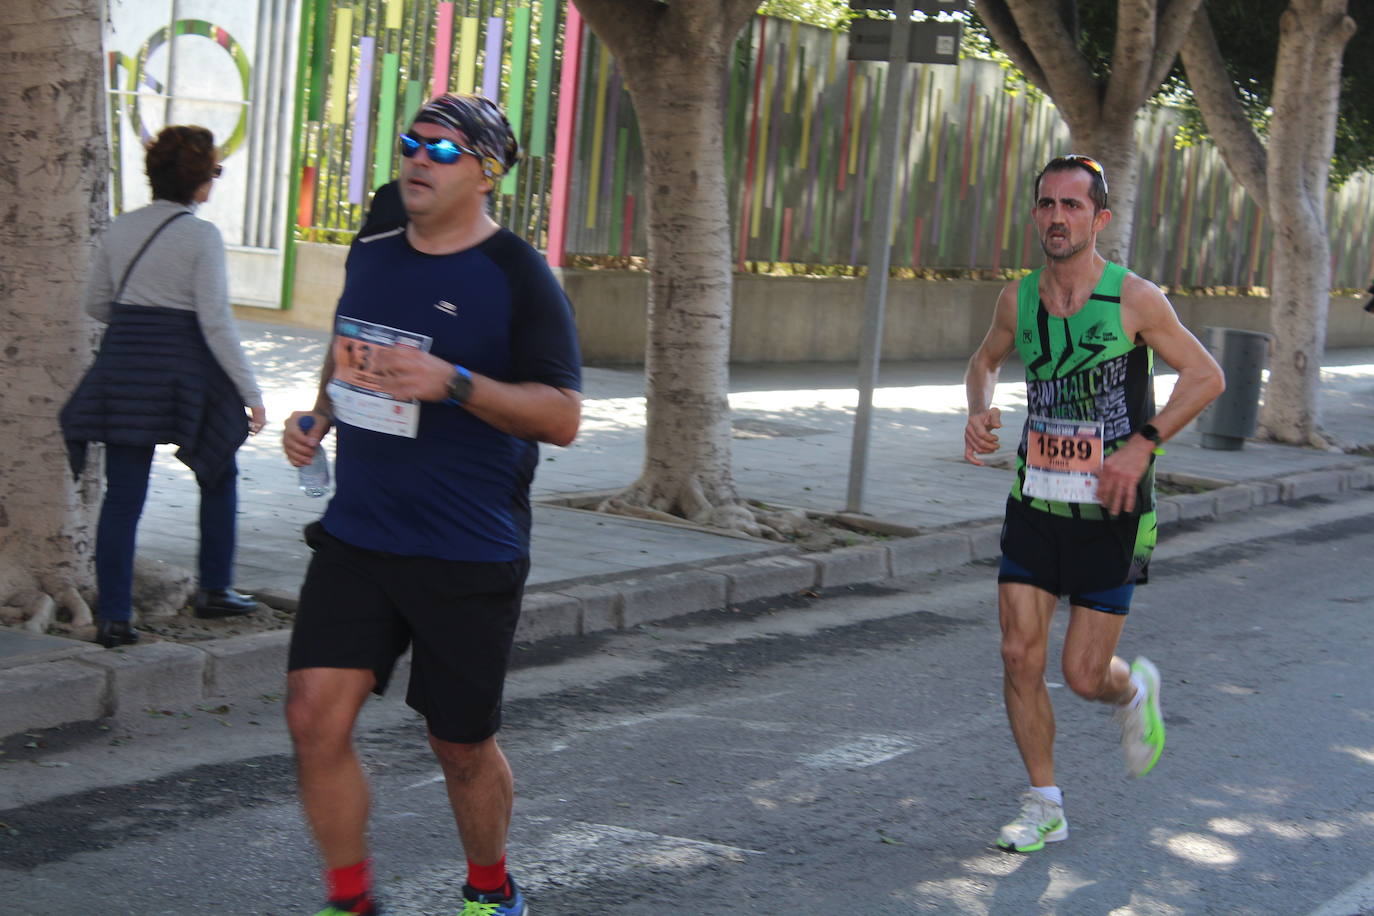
(1096, 562)
(361, 608)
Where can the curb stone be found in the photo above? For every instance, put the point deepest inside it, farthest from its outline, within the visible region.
(670, 595)
(1311, 483)
(930, 553)
(766, 577)
(850, 566)
(250, 664)
(600, 608)
(162, 675)
(48, 694)
(545, 614)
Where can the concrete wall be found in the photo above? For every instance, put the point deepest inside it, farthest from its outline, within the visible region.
(797, 319)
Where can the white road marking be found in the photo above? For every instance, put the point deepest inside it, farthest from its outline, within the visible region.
(862, 751)
(575, 854)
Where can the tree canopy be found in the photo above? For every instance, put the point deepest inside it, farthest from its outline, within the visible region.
(1247, 33)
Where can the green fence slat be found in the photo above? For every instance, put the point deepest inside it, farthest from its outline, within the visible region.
(518, 83)
(543, 82)
(385, 138)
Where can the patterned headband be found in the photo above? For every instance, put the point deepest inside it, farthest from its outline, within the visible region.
(481, 122)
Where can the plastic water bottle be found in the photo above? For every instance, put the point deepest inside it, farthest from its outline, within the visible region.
(314, 477)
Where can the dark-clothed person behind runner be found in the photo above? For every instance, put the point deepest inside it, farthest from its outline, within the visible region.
(170, 370)
(1081, 514)
(454, 354)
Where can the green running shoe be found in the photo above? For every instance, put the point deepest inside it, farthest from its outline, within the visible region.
(1142, 728)
(476, 903)
(1041, 821)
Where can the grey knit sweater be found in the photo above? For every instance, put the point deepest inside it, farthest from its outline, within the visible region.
(184, 268)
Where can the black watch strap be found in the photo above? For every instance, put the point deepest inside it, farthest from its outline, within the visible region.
(459, 386)
(1149, 432)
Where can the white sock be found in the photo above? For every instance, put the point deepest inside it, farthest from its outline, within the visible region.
(1050, 793)
(1139, 683)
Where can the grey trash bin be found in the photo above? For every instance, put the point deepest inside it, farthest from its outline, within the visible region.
(1231, 418)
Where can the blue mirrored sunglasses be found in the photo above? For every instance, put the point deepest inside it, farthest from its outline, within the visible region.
(442, 150)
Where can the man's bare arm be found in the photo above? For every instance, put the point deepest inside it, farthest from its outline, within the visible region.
(299, 445)
(530, 410)
(1200, 379)
(980, 379)
(1147, 314)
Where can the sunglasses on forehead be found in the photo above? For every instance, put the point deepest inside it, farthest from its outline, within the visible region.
(1087, 162)
(443, 151)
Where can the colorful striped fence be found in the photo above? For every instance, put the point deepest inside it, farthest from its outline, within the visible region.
(799, 132)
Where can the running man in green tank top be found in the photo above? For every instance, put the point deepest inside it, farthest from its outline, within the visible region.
(1080, 516)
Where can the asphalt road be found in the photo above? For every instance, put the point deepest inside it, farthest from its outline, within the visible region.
(845, 754)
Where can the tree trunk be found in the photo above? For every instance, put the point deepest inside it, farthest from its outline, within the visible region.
(1113, 143)
(674, 59)
(1042, 40)
(1313, 35)
(54, 168)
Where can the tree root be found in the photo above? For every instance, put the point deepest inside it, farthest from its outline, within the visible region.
(733, 516)
(36, 611)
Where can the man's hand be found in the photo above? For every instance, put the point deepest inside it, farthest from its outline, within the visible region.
(409, 374)
(1121, 473)
(298, 445)
(979, 438)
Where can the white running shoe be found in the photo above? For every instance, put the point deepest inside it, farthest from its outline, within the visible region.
(1142, 728)
(1041, 821)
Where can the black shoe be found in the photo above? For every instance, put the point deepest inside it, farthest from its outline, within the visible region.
(223, 602)
(111, 633)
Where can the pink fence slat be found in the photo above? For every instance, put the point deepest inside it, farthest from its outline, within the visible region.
(563, 138)
(491, 65)
(357, 175)
(443, 49)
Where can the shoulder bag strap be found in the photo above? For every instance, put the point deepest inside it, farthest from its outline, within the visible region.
(128, 270)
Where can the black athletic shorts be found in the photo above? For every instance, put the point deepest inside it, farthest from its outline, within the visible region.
(361, 609)
(1096, 562)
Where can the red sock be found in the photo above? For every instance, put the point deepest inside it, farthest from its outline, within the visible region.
(351, 883)
(487, 879)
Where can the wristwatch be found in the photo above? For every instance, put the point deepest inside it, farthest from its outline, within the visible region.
(459, 385)
(1149, 432)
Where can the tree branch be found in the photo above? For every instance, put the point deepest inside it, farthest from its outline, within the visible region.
(1132, 55)
(1313, 35)
(1212, 86)
(619, 22)
(1175, 22)
(1002, 27)
(1066, 74)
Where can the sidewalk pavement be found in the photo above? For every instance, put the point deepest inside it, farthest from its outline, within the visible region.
(592, 572)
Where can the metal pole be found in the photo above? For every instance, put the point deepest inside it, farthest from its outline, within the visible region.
(879, 252)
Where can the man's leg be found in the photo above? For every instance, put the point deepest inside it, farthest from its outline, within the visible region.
(1026, 613)
(322, 705)
(481, 791)
(1091, 668)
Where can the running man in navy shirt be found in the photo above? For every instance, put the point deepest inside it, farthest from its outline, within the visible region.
(454, 354)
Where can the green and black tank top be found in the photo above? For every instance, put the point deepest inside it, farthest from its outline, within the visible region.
(1084, 367)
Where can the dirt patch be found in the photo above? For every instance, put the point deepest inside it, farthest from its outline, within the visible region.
(184, 628)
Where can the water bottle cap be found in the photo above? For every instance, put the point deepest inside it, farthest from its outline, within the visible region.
(306, 423)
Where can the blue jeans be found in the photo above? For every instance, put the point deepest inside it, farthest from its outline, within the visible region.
(127, 468)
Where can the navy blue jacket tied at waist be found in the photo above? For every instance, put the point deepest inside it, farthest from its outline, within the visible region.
(154, 381)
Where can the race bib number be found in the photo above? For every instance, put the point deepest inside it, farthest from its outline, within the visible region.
(355, 390)
(1063, 458)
